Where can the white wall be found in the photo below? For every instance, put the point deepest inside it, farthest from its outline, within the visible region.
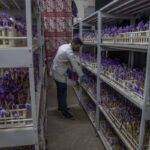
(81, 4)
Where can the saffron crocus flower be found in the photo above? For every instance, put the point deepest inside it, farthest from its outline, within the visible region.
(6, 27)
(16, 115)
(28, 106)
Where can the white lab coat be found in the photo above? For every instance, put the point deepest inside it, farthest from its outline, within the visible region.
(63, 58)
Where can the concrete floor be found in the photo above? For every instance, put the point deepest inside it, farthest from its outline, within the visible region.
(65, 134)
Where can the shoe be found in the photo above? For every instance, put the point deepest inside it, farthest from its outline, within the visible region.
(68, 115)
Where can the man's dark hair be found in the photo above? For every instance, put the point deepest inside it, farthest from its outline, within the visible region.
(77, 41)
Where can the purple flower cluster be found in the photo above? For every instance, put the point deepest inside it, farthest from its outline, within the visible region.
(20, 26)
(14, 88)
(14, 91)
(142, 27)
(5, 21)
(110, 135)
(18, 22)
(114, 31)
(122, 110)
(91, 83)
(20, 19)
(89, 58)
(91, 106)
(89, 36)
(123, 113)
(133, 79)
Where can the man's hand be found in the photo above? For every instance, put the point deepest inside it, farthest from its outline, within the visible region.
(85, 79)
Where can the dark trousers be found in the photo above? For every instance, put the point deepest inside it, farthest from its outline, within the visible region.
(62, 96)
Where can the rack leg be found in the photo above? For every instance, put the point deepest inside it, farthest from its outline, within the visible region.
(37, 147)
(142, 129)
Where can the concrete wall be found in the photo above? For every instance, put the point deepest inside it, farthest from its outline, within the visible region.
(81, 4)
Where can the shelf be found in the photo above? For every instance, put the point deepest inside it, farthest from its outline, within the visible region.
(114, 126)
(104, 140)
(34, 47)
(28, 133)
(76, 25)
(120, 47)
(90, 69)
(12, 38)
(125, 141)
(17, 137)
(130, 10)
(9, 57)
(93, 99)
(13, 48)
(76, 92)
(13, 4)
(91, 119)
(126, 7)
(91, 19)
(125, 92)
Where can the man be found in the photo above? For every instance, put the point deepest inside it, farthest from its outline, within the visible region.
(62, 60)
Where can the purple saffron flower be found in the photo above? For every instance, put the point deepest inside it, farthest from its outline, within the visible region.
(138, 132)
(117, 77)
(28, 106)
(7, 113)
(132, 78)
(16, 115)
(6, 27)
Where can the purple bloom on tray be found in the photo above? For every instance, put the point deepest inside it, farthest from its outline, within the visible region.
(140, 92)
(6, 27)
(129, 86)
(117, 77)
(138, 132)
(3, 111)
(7, 113)
(2, 90)
(11, 103)
(16, 115)
(28, 106)
(132, 78)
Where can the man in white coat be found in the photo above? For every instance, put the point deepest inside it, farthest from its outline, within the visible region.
(62, 60)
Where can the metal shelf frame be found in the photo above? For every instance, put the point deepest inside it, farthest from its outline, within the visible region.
(22, 57)
(127, 10)
(104, 140)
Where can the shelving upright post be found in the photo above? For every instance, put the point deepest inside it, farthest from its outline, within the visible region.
(81, 37)
(31, 70)
(145, 107)
(99, 26)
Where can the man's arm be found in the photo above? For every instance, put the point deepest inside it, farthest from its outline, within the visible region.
(74, 64)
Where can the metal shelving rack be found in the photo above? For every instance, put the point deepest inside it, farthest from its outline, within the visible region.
(22, 57)
(127, 9)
